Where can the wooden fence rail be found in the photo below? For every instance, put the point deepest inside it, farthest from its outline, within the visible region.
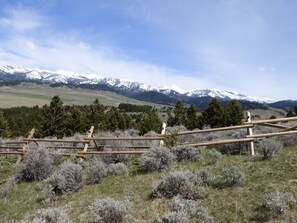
(97, 148)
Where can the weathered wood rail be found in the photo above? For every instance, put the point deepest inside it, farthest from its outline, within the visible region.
(83, 148)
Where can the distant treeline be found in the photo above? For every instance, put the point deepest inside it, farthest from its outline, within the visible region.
(134, 108)
(57, 119)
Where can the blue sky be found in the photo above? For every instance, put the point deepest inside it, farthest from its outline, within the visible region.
(246, 46)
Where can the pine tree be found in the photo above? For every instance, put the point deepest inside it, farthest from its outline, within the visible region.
(179, 117)
(150, 122)
(4, 128)
(290, 114)
(75, 121)
(115, 120)
(193, 120)
(234, 113)
(215, 115)
(53, 118)
(95, 116)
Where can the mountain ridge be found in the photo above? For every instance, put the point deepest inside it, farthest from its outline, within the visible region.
(126, 87)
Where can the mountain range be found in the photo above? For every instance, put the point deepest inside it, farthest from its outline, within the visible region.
(165, 95)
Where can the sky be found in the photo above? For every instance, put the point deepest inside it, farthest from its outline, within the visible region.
(245, 46)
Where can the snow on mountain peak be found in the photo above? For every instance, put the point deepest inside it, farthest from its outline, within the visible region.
(68, 77)
(173, 88)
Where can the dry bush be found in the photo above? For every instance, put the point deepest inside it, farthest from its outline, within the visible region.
(279, 202)
(174, 217)
(109, 210)
(205, 177)
(51, 215)
(96, 170)
(214, 156)
(181, 183)
(187, 153)
(116, 169)
(157, 159)
(38, 164)
(232, 176)
(115, 146)
(66, 180)
(235, 148)
(269, 147)
(184, 210)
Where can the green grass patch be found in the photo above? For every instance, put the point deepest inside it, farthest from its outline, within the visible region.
(243, 203)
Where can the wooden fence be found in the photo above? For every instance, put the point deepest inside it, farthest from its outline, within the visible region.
(82, 147)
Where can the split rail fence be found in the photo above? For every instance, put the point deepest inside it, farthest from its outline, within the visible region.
(19, 148)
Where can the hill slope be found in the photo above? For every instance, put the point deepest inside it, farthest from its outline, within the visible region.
(238, 204)
(31, 94)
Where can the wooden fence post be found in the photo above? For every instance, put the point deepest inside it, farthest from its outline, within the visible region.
(250, 133)
(25, 146)
(163, 133)
(90, 133)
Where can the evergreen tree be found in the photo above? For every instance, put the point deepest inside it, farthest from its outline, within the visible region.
(193, 120)
(290, 114)
(17, 127)
(115, 120)
(180, 116)
(150, 122)
(4, 128)
(76, 122)
(53, 118)
(96, 116)
(214, 115)
(234, 113)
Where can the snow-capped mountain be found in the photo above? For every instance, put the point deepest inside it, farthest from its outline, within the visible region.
(8, 73)
(214, 93)
(127, 87)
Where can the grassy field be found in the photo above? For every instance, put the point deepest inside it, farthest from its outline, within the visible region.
(28, 94)
(240, 204)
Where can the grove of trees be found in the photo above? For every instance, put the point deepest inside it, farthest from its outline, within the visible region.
(57, 119)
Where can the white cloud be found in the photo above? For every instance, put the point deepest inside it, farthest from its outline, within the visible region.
(31, 45)
(84, 46)
(20, 19)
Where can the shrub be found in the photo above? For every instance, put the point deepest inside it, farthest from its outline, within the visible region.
(151, 143)
(68, 179)
(174, 217)
(184, 210)
(232, 176)
(96, 170)
(38, 164)
(117, 169)
(8, 186)
(187, 206)
(214, 156)
(205, 177)
(178, 138)
(115, 146)
(203, 216)
(278, 202)
(235, 148)
(187, 153)
(171, 140)
(181, 183)
(51, 215)
(269, 147)
(109, 210)
(288, 140)
(157, 159)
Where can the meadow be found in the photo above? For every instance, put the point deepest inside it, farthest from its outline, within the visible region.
(242, 203)
(30, 94)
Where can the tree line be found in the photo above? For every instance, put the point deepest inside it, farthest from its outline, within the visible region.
(57, 119)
